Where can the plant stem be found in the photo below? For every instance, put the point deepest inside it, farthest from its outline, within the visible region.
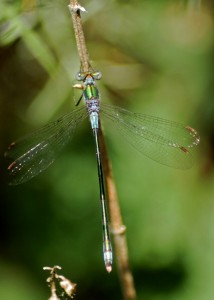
(118, 228)
(120, 241)
(75, 10)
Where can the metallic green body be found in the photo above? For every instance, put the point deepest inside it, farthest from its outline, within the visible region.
(90, 92)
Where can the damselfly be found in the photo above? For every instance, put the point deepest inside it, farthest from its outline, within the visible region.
(164, 141)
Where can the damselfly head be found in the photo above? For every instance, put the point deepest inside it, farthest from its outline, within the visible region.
(81, 76)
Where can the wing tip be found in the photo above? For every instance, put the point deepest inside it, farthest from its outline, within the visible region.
(194, 134)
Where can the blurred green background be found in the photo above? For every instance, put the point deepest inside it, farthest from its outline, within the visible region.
(157, 58)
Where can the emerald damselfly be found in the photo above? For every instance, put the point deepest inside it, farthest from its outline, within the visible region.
(164, 141)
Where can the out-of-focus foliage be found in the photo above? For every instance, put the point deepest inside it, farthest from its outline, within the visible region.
(157, 58)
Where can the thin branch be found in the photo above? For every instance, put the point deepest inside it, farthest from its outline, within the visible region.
(118, 228)
(120, 241)
(75, 9)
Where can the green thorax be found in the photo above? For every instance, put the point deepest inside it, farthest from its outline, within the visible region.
(90, 92)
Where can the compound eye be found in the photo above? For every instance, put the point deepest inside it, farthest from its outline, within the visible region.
(80, 76)
(97, 75)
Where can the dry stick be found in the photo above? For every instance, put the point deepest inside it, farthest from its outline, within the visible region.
(121, 248)
(75, 9)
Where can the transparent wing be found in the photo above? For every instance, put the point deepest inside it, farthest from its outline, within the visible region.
(164, 141)
(34, 153)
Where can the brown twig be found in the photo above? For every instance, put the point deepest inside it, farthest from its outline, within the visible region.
(68, 287)
(120, 242)
(118, 228)
(75, 10)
